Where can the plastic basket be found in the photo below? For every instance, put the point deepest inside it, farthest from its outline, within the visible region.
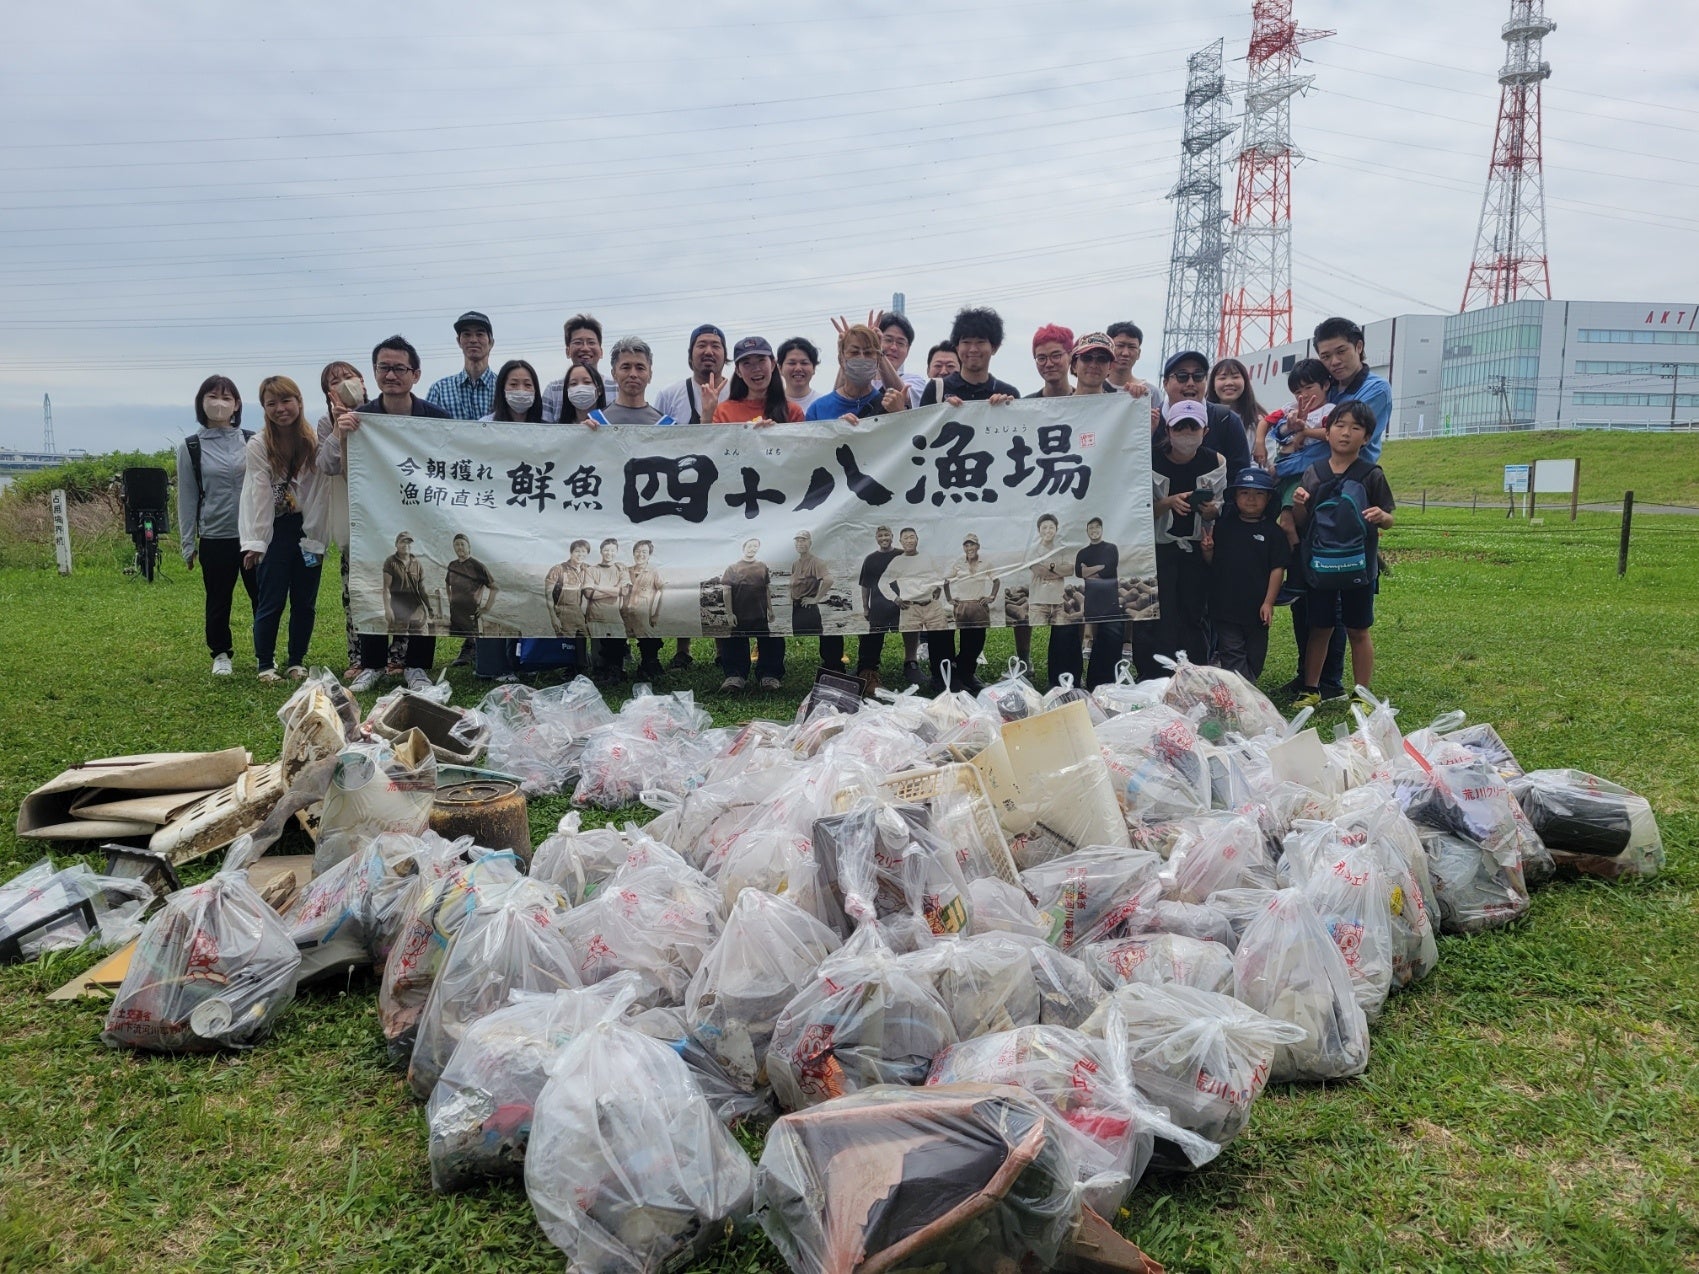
(919, 787)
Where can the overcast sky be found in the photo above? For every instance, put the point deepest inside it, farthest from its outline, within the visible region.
(199, 187)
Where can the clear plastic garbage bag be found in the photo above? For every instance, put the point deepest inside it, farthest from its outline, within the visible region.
(767, 952)
(539, 734)
(1086, 1085)
(1162, 959)
(1218, 851)
(376, 788)
(984, 981)
(1157, 761)
(1231, 704)
(1287, 967)
(1012, 697)
(1478, 888)
(1068, 991)
(213, 969)
(658, 921)
(732, 1104)
(1203, 1056)
(627, 1169)
(1590, 824)
(579, 860)
(348, 916)
(480, 1111)
(517, 942)
(437, 902)
(866, 1018)
(958, 1177)
(1096, 894)
(999, 907)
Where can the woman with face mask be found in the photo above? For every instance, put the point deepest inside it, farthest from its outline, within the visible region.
(283, 526)
(517, 396)
(585, 393)
(210, 468)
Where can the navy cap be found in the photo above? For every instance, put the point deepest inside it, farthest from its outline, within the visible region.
(750, 346)
(1252, 479)
(473, 319)
(705, 329)
(1175, 360)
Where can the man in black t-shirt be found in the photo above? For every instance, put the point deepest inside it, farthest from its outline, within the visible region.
(471, 589)
(1098, 565)
(1247, 555)
(978, 334)
(882, 613)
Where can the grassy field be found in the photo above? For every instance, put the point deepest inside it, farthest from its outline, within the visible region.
(1534, 1105)
(1658, 468)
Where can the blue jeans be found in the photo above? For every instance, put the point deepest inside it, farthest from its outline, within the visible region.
(285, 577)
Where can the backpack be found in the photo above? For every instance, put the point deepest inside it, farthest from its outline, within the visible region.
(1335, 550)
(194, 446)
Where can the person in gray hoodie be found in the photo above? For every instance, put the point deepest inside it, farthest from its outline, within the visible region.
(210, 467)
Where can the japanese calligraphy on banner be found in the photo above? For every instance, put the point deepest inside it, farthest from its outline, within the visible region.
(1033, 512)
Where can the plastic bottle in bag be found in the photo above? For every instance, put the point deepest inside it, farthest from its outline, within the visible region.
(1097, 894)
(213, 969)
(627, 1169)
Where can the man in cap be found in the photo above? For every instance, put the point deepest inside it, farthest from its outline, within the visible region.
(1092, 358)
(405, 609)
(1191, 473)
(470, 393)
(583, 349)
(1185, 378)
(692, 400)
(1051, 346)
(970, 587)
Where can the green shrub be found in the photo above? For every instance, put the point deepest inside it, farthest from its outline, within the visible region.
(88, 476)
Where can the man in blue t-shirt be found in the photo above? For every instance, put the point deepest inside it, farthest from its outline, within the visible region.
(1338, 343)
(856, 394)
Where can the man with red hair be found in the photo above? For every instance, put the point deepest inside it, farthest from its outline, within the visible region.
(1052, 345)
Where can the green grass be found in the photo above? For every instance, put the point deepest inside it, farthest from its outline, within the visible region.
(1658, 468)
(1534, 1105)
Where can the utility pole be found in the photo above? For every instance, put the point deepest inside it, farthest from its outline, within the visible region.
(1674, 379)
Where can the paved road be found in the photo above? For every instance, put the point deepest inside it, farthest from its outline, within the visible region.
(1547, 510)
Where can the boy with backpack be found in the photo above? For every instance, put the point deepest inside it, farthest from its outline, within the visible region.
(1247, 555)
(1341, 505)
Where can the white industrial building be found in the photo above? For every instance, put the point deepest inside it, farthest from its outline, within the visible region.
(1525, 365)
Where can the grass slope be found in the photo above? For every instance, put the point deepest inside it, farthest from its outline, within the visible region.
(1658, 468)
(1534, 1105)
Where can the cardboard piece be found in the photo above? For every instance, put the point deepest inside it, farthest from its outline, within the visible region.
(46, 813)
(219, 819)
(104, 979)
(158, 809)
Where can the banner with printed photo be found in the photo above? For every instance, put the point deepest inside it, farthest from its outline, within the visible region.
(1032, 512)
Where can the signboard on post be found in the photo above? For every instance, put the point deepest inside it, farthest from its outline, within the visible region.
(1555, 477)
(61, 531)
(1516, 478)
(1031, 512)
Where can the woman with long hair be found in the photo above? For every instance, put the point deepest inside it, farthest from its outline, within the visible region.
(210, 467)
(282, 526)
(584, 396)
(757, 392)
(1230, 385)
(518, 396)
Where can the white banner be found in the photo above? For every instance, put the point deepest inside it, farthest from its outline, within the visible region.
(1033, 512)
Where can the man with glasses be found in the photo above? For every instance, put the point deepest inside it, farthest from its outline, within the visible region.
(395, 365)
(470, 393)
(896, 337)
(1051, 346)
(1185, 378)
(583, 349)
(1128, 343)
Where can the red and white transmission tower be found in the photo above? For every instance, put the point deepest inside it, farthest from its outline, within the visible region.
(1256, 306)
(1510, 247)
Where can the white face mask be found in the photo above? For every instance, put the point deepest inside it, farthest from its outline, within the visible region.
(520, 400)
(861, 370)
(582, 397)
(1184, 443)
(217, 410)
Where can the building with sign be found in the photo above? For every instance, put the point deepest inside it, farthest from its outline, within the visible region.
(1526, 365)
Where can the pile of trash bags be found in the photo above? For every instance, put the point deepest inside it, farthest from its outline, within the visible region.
(881, 928)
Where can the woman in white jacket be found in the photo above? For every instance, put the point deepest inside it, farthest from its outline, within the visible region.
(283, 526)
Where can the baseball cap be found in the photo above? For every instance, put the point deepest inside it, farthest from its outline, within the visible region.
(473, 319)
(1094, 341)
(970, 538)
(1252, 479)
(1185, 409)
(403, 538)
(704, 329)
(749, 346)
(1183, 356)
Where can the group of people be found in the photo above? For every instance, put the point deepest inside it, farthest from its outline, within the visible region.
(264, 504)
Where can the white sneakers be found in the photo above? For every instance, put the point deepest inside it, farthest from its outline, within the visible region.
(221, 666)
(416, 679)
(270, 677)
(364, 680)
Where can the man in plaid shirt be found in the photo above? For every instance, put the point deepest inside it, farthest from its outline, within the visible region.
(470, 393)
